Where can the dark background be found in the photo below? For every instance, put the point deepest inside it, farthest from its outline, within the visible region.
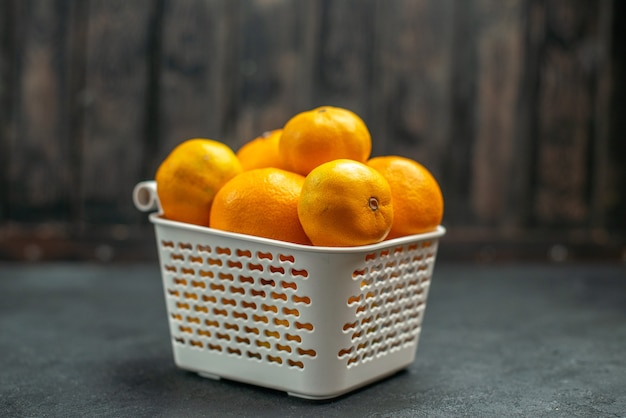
(517, 107)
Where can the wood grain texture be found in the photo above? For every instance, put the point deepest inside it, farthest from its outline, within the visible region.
(603, 187)
(515, 106)
(344, 55)
(499, 58)
(191, 73)
(8, 96)
(616, 167)
(39, 179)
(411, 80)
(567, 81)
(456, 176)
(274, 65)
(115, 99)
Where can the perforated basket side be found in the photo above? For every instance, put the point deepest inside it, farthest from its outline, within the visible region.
(389, 306)
(235, 298)
(314, 322)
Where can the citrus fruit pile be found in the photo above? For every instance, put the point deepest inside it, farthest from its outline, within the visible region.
(310, 182)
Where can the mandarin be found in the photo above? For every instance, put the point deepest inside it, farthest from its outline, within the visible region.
(417, 198)
(345, 203)
(261, 202)
(323, 134)
(190, 176)
(261, 152)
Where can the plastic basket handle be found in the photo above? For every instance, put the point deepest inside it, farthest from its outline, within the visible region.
(145, 196)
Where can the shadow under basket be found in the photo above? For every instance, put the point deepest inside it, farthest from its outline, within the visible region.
(316, 322)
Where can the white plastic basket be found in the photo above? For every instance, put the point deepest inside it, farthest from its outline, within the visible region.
(316, 322)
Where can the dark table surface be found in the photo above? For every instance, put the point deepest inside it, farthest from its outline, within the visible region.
(499, 340)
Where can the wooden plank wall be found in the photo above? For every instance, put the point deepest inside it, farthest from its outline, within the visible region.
(515, 106)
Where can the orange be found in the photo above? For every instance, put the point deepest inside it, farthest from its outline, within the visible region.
(261, 202)
(345, 203)
(323, 134)
(190, 176)
(261, 151)
(417, 198)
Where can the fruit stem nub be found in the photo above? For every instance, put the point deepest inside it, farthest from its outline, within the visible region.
(373, 203)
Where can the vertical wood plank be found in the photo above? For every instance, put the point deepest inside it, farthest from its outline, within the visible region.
(520, 197)
(411, 80)
(75, 101)
(228, 91)
(8, 98)
(116, 78)
(308, 22)
(616, 195)
(601, 186)
(457, 172)
(191, 71)
(152, 126)
(497, 159)
(38, 170)
(568, 72)
(274, 73)
(344, 55)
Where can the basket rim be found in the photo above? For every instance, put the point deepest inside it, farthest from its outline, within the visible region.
(157, 219)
